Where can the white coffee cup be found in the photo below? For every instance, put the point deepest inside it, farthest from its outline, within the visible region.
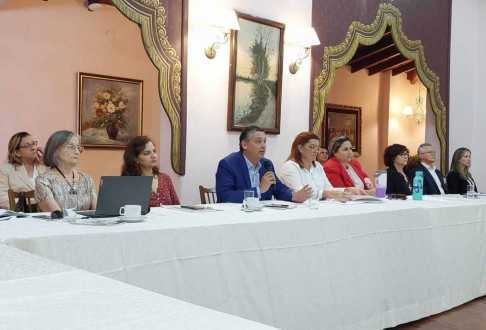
(131, 211)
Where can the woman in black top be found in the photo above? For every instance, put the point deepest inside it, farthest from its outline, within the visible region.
(396, 158)
(459, 177)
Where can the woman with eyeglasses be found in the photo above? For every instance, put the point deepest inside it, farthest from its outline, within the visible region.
(23, 167)
(52, 188)
(459, 176)
(396, 159)
(342, 171)
(140, 159)
(301, 168)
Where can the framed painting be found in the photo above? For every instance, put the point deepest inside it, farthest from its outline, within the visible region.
(343, 120)
(255, 81)
(110, 110)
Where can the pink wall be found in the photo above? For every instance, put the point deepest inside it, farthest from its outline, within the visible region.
(43, 47)
(382, 98)
(369, 93)
(402, 130)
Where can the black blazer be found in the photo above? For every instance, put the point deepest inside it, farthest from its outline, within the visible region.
(396, 183)
(457, 184)
(430, 187)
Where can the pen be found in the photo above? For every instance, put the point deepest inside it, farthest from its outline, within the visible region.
(343, 201)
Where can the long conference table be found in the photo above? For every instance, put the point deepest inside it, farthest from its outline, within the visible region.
(36, 293)
(344, 266)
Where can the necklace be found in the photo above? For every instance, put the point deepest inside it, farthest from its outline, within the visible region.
(73, 190)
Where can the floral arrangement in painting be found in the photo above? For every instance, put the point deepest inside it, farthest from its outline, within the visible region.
(110, 111)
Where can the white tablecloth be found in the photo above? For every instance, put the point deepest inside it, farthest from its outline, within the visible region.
(36, 293)
(366, 266)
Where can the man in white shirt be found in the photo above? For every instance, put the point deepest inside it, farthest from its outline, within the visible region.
(433, 178)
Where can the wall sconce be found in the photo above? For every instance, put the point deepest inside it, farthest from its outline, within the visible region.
(417, 115)
(228, 21)
(307, 38)
(94, 5)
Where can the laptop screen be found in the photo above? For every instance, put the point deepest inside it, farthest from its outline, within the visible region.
(118, 191)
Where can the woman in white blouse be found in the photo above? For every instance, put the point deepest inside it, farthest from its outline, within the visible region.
(301, 169)
(23, 167)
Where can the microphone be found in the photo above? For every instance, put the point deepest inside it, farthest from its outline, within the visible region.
(268, 167)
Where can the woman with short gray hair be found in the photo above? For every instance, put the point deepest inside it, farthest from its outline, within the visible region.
(61, 155)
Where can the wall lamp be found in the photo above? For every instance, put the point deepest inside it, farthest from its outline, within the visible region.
(228, 21)
(307, 38)
(94, 5)
(417, 115)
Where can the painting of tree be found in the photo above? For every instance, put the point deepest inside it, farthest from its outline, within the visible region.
(256, 75)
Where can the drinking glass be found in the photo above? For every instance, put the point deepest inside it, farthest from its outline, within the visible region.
(380, 191)
(70, 207)
(246, 194)
(470, 191)
(314, 200)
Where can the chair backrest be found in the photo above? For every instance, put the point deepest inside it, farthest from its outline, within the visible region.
(208, 195)
(14, 195)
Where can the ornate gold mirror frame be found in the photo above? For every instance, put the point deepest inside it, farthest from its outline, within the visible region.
(337, 56)
(150, 15)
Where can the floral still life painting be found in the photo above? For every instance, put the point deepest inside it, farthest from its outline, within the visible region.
(110, 110)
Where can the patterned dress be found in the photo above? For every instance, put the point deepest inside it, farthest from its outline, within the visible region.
(47, 187)
(165, 194)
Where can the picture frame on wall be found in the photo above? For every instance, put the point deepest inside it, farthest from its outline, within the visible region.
(343, 120)
(255, 77)
(110, 110)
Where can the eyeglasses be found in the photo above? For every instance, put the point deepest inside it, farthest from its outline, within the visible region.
(432, 152)
(72, 147)
(313, 147)
(397, 197)
(404, 154)
(31, 145)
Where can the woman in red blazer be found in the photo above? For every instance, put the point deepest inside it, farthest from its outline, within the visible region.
(342, 170)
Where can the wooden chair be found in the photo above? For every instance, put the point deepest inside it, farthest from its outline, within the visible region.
(208, 195)
(13, 196)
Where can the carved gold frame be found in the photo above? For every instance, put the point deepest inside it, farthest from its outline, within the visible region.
(337, 56)
(150, 15)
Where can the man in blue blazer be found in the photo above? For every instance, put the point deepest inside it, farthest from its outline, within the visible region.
(247, 170)
(433, 178)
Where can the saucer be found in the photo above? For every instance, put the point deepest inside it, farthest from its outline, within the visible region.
(259, 208)
(139, 218)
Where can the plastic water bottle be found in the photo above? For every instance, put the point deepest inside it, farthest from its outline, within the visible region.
(418, 186)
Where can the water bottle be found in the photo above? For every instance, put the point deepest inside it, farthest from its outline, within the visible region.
(418, 186)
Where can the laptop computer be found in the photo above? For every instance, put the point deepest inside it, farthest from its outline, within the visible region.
(118, 191)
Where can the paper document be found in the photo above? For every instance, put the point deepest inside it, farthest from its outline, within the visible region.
(333, 201)
(366, 199)
(8, 213)
(185, 209)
